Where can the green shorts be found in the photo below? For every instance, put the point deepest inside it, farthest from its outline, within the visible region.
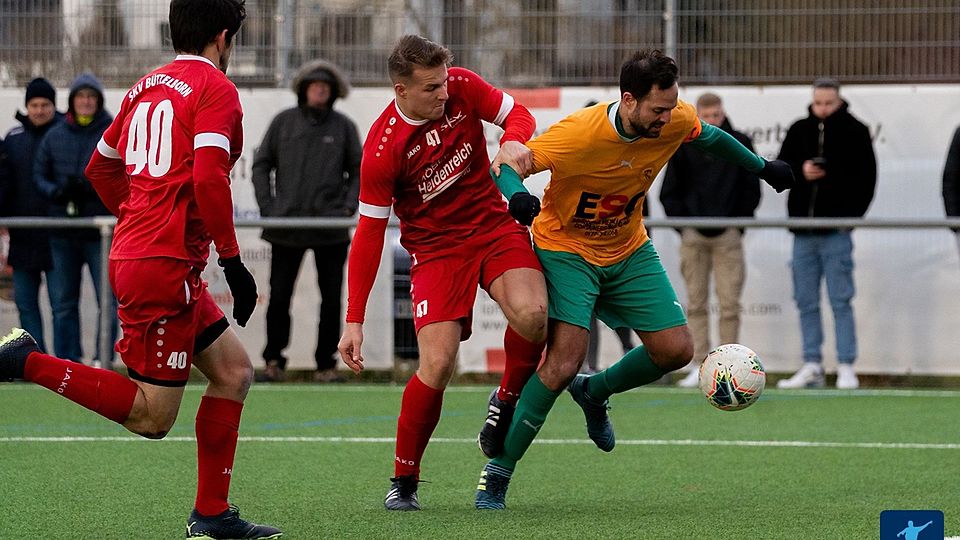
(633, 293)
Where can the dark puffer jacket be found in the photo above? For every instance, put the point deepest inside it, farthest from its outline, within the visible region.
(308, 164)
(851, 166)
(29, 248)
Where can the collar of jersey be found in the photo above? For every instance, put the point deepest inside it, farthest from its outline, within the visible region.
(193, 57)
(613, 114)
(407, 119)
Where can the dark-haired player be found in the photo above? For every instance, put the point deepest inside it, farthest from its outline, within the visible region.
(162, 167)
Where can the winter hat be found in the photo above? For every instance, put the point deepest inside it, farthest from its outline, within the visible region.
(40, 87)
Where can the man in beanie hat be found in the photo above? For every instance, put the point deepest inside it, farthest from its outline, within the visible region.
(308, 165)
(58, 173)
(29, 254)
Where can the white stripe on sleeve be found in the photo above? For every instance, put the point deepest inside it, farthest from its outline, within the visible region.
(372, 211)
(106, 150)
(505, 107)
(211, 139)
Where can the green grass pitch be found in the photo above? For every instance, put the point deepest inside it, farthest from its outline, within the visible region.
(314, 460)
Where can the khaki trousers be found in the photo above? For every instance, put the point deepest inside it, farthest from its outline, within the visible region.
(723, 257)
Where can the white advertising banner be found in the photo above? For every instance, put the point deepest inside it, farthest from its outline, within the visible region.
(906, 279)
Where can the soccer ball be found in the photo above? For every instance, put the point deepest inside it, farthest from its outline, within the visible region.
(732, 377)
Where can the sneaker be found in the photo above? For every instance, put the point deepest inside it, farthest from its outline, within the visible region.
(846, 377)
(599, 427)
(492, 488)
(328, 376)
(494, 430)
(227, 525)
(403, 494)
(272, 372)
(692, 380)
(808, 376)
(14, 349)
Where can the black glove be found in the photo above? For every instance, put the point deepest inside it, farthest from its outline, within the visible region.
(242, 287)
(524, 207)
(778, 174)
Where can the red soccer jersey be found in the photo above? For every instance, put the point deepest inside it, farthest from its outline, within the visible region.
(435, 173)
(167, 115)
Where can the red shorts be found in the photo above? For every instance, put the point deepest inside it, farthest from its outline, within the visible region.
(443, 284)
(166, 315)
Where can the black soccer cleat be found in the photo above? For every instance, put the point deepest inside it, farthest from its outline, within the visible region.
(403, 494)
(599, 427)
(494, 430)
(227, 525)
(492, 488)
(14, 349)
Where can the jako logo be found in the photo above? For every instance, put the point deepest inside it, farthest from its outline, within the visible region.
(911, 525)
(63, 383)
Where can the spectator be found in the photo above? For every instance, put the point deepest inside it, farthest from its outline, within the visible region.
(313, 153)
(832, 151)
(58, 172)
(951, 182)
(29, 254)
(700, 185)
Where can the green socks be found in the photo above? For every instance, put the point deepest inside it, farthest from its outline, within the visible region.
(536, 400)
(633, 370)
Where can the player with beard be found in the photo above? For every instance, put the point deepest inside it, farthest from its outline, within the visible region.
(595, 252)
(163, 168)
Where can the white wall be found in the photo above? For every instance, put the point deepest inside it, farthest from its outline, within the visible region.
(907, 281)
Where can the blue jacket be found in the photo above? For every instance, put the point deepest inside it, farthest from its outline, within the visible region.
(19, 196)
(61, 158)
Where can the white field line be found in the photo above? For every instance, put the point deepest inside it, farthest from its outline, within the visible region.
(389, 387)
(441, 440)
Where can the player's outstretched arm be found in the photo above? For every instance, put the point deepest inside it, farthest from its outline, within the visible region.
(715, 141)
(522, 205)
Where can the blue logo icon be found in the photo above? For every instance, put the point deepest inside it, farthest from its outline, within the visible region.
(911, 525)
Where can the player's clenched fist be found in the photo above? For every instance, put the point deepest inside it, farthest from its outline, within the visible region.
(242, 286)
(349, 346)
(524, 207)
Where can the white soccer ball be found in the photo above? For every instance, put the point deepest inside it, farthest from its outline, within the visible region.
(732, 377)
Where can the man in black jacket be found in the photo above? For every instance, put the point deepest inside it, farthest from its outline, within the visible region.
(698, 184)
(19, 196)
(832, 151)
(308, 165)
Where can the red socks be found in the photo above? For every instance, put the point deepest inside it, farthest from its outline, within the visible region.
(218, 424)
(523, 357)
(419, 416)
(104, 392)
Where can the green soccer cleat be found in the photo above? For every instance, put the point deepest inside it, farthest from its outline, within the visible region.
(14, 349)
(492, 488)
(494, 430)
(227, 525)
(403, 494)
(599, 427)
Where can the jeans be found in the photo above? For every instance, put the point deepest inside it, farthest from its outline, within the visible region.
(817, 257)
(63, 281)
(26, 294)
(284, 266)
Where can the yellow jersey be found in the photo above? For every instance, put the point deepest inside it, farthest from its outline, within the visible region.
(599, 179)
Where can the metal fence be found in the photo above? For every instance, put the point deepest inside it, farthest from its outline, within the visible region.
(518, 43)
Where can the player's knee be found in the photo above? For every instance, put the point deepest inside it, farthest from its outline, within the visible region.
(678, 356)
(531, 322)
(153, 428)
